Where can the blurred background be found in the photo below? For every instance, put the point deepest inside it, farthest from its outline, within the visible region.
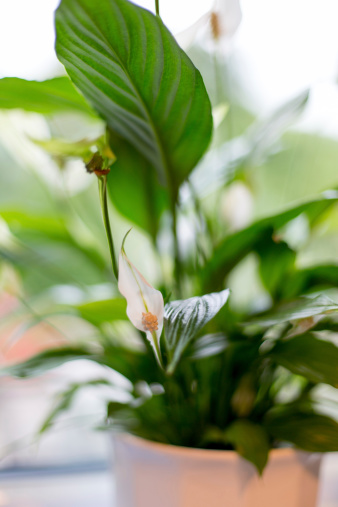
(274, 89)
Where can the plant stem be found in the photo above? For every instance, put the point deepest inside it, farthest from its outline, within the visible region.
(158, 351)
(105, 216)
(177, 256)
(157, 7)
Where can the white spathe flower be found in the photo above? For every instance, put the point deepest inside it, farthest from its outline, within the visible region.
(145, 306)
(216, 27)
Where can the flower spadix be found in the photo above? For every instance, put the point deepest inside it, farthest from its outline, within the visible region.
(145, 306)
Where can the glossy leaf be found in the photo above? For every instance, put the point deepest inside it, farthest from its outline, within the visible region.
(311, 432)
(135, 75)
(184, 319)
(57, 95)
(134, 189)
(306, 355)
(153, 99)
(237, 245)
(303, 308)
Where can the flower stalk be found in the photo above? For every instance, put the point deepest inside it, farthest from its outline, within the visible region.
(145, 306)
(177, 256)
(157, 7)
(102, 179)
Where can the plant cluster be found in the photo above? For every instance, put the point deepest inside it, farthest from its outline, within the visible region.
(204, 372)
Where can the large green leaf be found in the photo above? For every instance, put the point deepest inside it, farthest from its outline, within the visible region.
(184, 319)
(107, 310)
(134, 189)
(53, 96)
(306, 355)
(237, 245)
(131, 69)
(311, 432)
(135, 75)
(302, 308)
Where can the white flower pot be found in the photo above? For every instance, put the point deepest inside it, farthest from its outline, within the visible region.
(149, 474)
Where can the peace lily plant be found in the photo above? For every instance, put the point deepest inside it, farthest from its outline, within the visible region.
(205, 372)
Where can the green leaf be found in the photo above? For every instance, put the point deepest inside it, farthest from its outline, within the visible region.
(306, 355)
(277, 266)
(328, 323)
(319, 277)
(250, 441)
(237, 245)
(48, 254)
(64, 149)
(184, 319)
(207, 346)
(311, 432)
(134, 189)
(153, 99)
(47, 360)
(53, 96)
(107, 310)
(65, 399)
(299, 154)
(131, 69)
(22, 222)
(303, 308)
(265, 133)
(114, 407)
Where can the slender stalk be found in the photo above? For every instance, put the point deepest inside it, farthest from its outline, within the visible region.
(177, 256)
(105, 216)
(204, 224)
(158, 351)
(224, 396)
(157, 7)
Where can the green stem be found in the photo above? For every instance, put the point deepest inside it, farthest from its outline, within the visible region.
(204, 224)
(105, 216)
(157, 7)
(178, 267)
(158, 351)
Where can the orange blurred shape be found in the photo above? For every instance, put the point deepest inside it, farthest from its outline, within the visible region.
(18, 339)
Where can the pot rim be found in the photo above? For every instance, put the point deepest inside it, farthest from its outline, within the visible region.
(205, 454)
